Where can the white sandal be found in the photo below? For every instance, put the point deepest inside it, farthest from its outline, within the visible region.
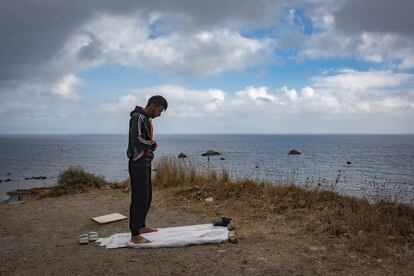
(83, 239)
(92, 236)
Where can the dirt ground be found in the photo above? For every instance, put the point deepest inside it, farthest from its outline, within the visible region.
(39, 237)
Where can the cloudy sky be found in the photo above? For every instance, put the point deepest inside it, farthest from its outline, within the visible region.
(294, 66)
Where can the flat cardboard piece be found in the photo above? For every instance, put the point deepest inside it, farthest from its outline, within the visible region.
(109, 218)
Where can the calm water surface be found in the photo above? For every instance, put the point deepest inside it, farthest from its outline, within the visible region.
(377, 161)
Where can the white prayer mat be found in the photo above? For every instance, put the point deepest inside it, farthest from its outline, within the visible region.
(171, 237)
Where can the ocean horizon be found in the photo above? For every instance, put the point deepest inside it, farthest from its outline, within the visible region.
(382, 162)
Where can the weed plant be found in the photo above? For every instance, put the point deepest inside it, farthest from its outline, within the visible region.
(77, 180)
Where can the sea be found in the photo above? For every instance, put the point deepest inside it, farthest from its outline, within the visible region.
(367, 166)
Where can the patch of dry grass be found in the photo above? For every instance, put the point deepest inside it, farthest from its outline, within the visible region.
(366, 227)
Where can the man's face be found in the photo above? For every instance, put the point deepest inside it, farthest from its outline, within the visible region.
(156, 111)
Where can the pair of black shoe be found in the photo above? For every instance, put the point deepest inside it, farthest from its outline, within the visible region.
(223, 221)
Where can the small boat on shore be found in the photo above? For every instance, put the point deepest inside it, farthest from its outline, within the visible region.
(24, 194)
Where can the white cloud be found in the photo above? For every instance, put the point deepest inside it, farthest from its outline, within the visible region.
(333, 103)
(353, 92)
(368, 30)
(127, 40)
(13, 106)
(176, 38)
(317, 102)
(131, 39)
(349, 79)
(347, 92)
(407, 62)
(122, 103)
(182, 102)
(66, 87)
(329, 104)
(258, 95)
(292, 95)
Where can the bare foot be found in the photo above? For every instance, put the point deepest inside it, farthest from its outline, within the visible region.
(147, 230)
(139, 239)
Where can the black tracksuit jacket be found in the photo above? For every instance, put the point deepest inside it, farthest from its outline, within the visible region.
(139, 145)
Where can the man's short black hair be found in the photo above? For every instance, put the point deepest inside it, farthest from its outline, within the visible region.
(158, 100)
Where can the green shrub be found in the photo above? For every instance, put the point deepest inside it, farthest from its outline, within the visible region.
(77, 180)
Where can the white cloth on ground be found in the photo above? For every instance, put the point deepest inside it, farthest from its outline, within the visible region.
(171, 237)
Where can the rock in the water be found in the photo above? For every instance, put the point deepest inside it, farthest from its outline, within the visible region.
(210, 153)
(222, 158)
(182, 155)
(294, 151)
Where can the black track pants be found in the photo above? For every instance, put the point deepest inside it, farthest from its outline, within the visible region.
(141, 196)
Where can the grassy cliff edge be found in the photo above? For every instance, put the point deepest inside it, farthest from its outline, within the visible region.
(371, 227)
(377, 228)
